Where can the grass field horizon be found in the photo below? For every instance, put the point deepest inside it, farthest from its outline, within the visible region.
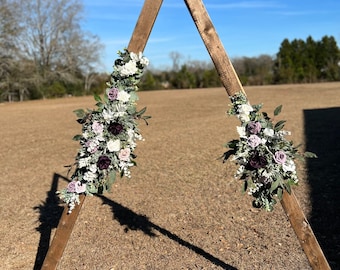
(182, 208)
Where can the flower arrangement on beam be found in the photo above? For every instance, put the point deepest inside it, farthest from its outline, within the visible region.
(109, 132)
(264, 156)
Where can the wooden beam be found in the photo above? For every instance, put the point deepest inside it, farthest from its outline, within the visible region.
(233, 85)
(144, 25)
(304, 232)
(215, 47)
(61, 236)
(63, 232)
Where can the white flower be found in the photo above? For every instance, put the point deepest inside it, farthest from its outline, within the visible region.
(289, 166)
(85, 135)
(83, 162)
(144, 61)
(268, 132)
(243, 117)
(240, 170)
(107, 115)
(90, 176)
(120, 110)
(267, 174)
(113, 146)
(135, 57)
(128, 69)
(123, 96)
(241, 131)
(131, 134)
(283, 133)
(93, 168)
(244, 109)
(139, 58)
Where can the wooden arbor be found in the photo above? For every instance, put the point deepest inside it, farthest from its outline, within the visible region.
(232, 85)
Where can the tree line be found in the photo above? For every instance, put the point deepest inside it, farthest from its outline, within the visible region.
(44, 53)
(298, 61)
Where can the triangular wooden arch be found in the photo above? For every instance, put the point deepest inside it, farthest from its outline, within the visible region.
(232, 85)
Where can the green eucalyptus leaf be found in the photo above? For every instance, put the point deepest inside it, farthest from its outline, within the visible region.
(277, 110)
(279, 193)
(110, 180)
(80, 113)
(275, 185)
(232, 144)
(141, 112)
(279, 125)
(309, 155)
(288, 188)
(77, 137)
(97, 98)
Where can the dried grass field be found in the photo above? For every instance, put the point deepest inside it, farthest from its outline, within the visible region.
(182, 208)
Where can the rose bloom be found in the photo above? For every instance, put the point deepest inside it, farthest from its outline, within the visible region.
(244, 109)
(128, 69)
(97, 127)
(268, 132)
(289, 166)
(103, 162)
(112, 93)
(257, 161)
(124, 154)
(115, 128)
(80, 187)
(123, 96)
(113, 146)
(254, 127)
(254, 140)
(280, 157)
(71, 187)
(241, 131)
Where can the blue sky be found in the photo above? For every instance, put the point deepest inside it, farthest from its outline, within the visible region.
(246, 28)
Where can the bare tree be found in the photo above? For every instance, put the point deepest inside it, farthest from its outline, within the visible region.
(54, 40)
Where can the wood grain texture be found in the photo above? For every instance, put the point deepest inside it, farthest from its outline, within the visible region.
(304, 232)
(62, 235)
(215, 47)
(144, 25)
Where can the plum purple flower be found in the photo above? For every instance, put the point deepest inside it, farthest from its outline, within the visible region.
(256, 161)
(115, 128)
(103, 162)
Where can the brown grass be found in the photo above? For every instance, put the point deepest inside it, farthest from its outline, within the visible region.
(182, 209)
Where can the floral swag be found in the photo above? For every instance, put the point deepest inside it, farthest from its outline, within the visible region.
(265, 158)
(109, 133)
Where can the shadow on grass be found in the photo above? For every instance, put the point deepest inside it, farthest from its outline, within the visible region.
(133, 221)
(322, 132)
(50, 213)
